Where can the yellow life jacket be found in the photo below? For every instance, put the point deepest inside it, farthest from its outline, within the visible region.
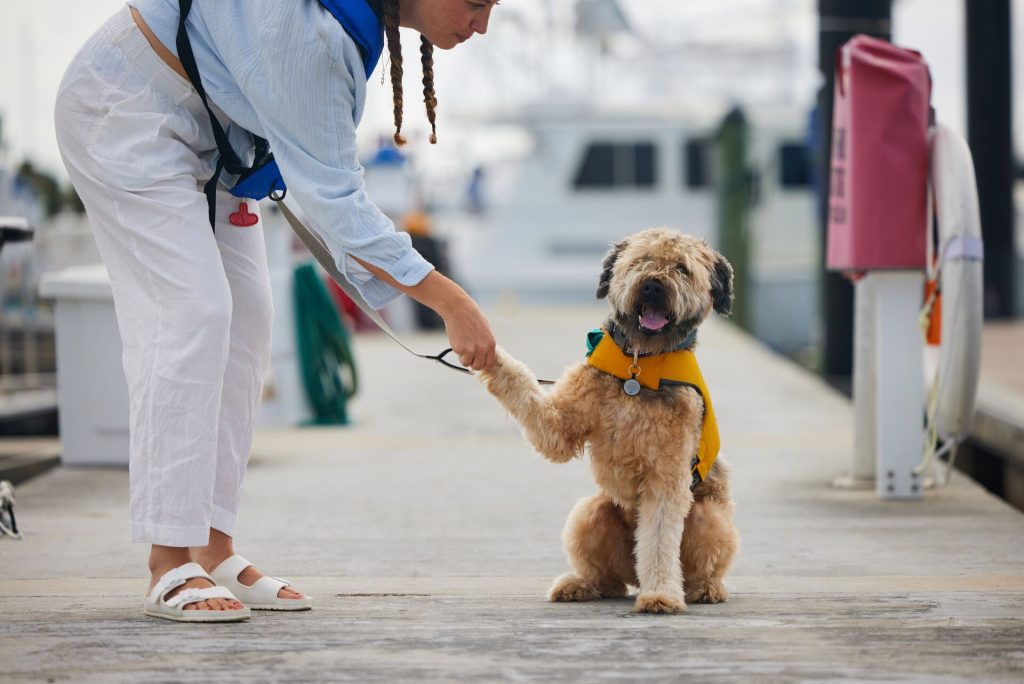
(674, 368)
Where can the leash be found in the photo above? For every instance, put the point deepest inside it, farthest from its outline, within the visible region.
(315, 244)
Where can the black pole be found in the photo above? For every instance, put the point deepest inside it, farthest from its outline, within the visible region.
(990, 135)
(838, 21)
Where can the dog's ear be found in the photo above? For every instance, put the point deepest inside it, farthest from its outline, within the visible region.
(606, 269)
(721, 285)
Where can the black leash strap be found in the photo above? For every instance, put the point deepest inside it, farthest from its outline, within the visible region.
(227, 160)
(440, 359)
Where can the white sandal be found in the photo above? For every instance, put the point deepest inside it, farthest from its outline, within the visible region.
(262, 595)
(173, 608)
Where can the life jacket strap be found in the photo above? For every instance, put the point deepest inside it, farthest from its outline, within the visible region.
(263, 168)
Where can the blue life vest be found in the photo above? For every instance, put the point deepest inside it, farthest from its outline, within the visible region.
(362, 21)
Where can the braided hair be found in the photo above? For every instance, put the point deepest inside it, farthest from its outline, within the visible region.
(390, 10)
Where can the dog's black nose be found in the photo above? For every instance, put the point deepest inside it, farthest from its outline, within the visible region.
(652, 290)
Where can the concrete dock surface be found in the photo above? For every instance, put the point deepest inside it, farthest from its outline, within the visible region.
(428, 533)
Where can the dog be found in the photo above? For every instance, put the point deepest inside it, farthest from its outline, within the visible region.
(662, 520)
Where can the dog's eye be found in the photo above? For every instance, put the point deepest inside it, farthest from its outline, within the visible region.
(682, 269)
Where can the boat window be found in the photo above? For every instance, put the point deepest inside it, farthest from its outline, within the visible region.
(617, 165)
(697, 160)
(794, 165)
(644, 168)
(598, 167)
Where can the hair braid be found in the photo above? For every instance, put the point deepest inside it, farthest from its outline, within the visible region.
(390, 9)
(427, 60)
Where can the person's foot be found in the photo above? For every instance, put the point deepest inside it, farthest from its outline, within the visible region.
(248, 577)
(158, 569)
(220, 548)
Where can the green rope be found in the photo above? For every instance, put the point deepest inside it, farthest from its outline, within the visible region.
(324, 350)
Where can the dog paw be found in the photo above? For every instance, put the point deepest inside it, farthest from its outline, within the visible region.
(501, 357)
(659, 603)
(509, 380)
(569, 587)
(502, 362)
(706, 591)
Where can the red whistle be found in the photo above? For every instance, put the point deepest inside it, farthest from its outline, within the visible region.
(243, 218)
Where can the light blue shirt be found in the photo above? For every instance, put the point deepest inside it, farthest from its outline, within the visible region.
(287, 71)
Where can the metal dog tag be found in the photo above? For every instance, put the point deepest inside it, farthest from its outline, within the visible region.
(631, 387)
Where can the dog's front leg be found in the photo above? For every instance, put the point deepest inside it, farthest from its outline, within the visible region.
(555, 423)
(659, 531)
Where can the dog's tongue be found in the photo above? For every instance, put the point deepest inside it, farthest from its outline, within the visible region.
(653, 319)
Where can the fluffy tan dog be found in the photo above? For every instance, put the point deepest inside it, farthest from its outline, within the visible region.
(655, 520)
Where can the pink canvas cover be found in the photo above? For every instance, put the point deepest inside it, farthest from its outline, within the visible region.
(878, 193)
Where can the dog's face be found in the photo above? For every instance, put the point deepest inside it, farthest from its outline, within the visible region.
(662, 284)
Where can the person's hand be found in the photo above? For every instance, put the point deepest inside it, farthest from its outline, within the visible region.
(470, 335)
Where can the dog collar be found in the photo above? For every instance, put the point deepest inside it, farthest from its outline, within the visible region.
(620, 340)
(654, 372)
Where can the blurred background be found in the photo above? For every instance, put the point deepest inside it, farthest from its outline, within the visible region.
(570, 124)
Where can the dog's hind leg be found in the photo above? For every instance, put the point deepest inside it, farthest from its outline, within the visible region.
(709, 544)
(599, 542)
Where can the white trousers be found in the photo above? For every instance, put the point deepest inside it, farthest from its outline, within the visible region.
(193, 304)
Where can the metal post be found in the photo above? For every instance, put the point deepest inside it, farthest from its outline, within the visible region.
(865, 389)
(899, 382)
(990, 136)
(839, 20)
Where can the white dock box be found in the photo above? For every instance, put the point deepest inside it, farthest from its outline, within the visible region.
(92, 395)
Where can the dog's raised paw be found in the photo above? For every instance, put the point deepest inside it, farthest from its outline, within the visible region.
(569, 587)
(506, 372)
(659, 603)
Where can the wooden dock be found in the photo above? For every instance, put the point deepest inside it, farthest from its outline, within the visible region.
(428, 533)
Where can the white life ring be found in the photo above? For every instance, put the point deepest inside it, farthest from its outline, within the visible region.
(957, 268)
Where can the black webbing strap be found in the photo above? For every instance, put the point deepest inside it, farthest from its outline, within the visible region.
(227, 160)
